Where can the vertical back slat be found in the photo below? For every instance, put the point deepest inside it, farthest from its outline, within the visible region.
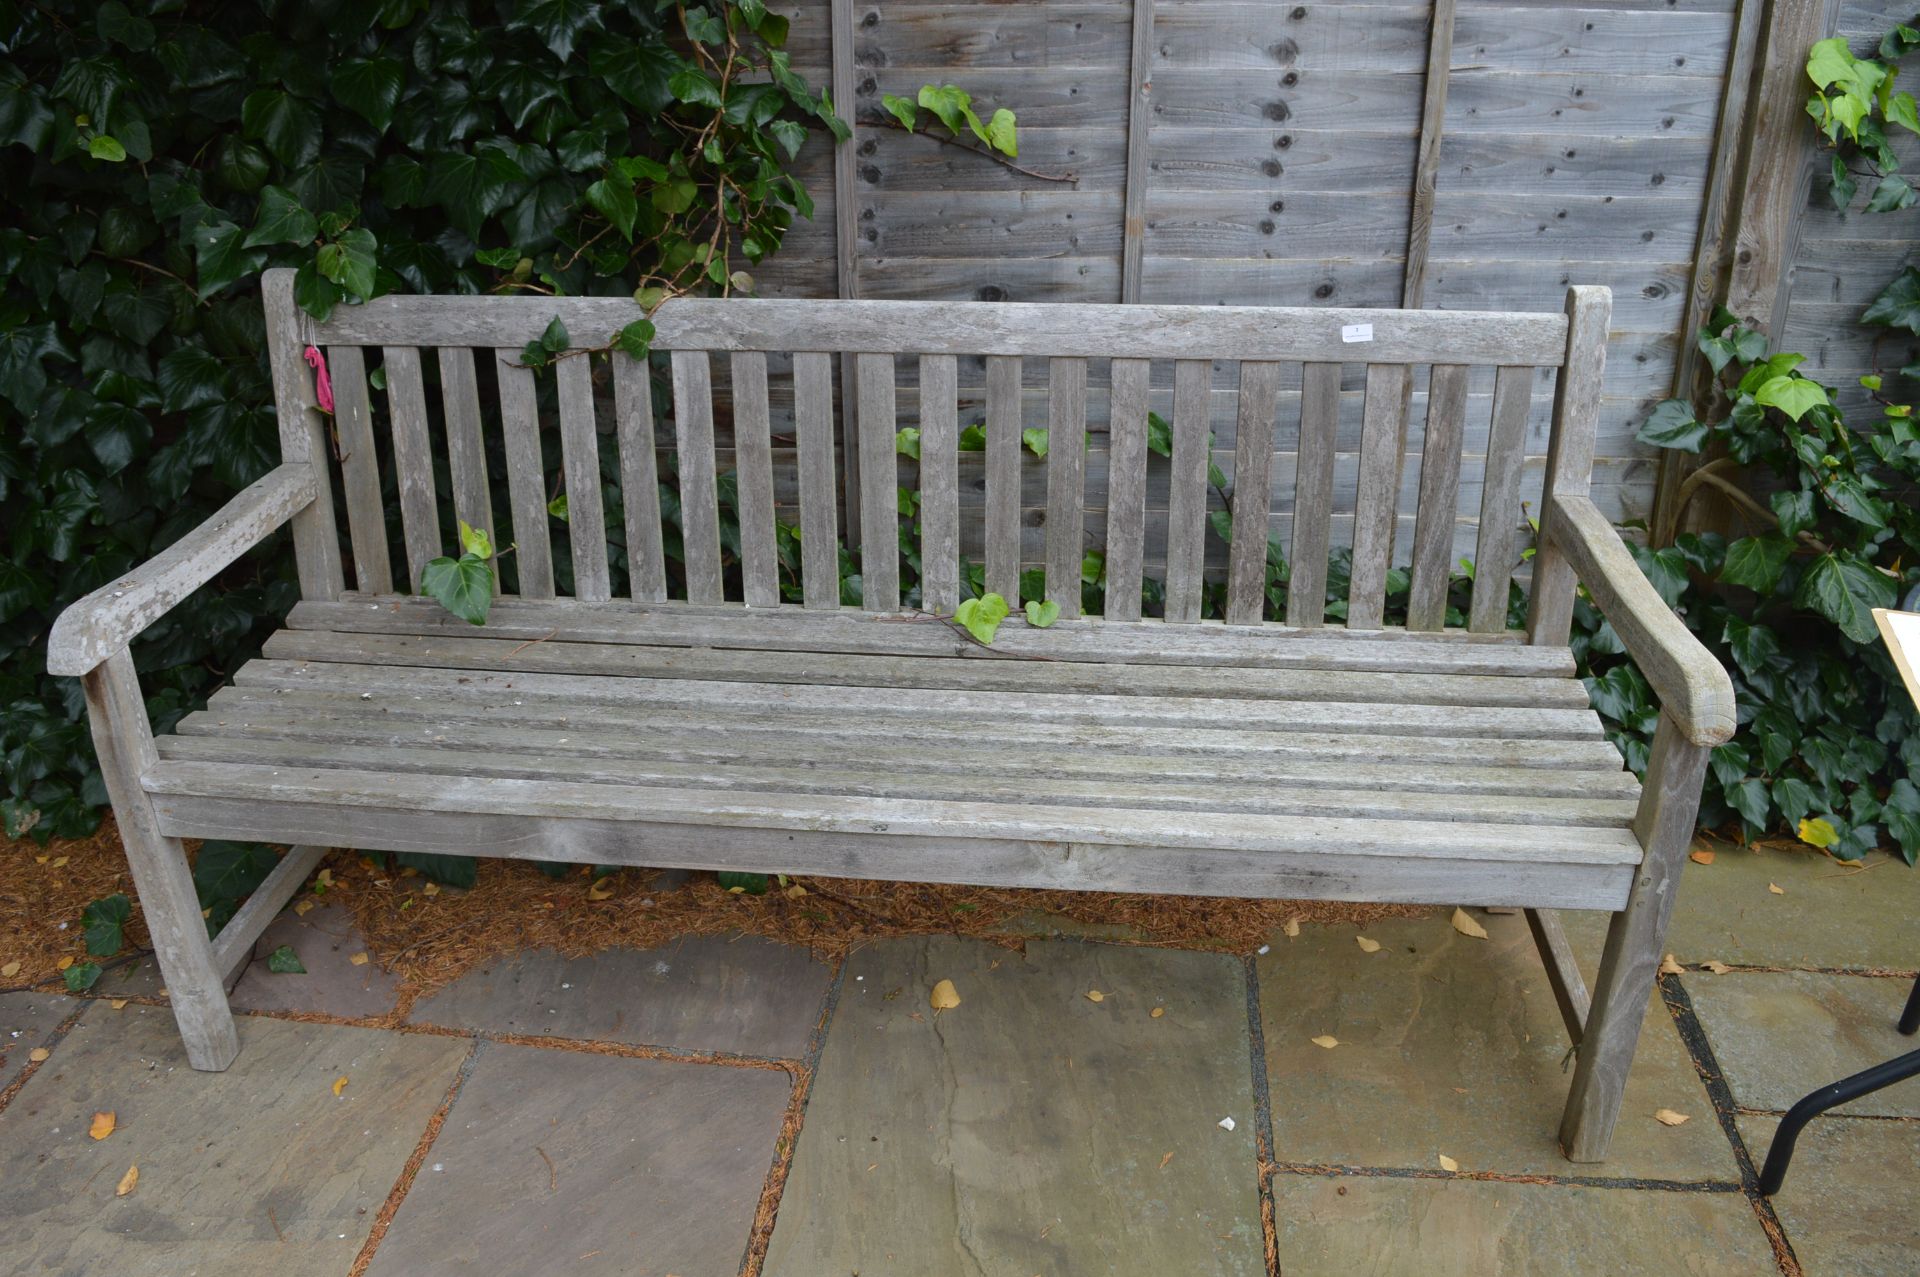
(580, 456)
(1252, 493)
(939, 485)
(1383, 437)
(1576, 423)
(1313, 495)
(1187, 498)
(1003, 478)
(639, 478)
(303, 437)
(699, 496)
(412, 459)
(1126, 487)
(359, 470)
(1066, 480)
(753, 462)
(1439, 497)
(1493, 558)
(466, 446)
(879, 488)
(819, 518)
(526, 475)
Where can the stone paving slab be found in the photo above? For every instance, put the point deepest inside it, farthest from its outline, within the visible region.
(1778, 1035)
(1030, 1130)
(326, 940)
(742, 995)
(1847, 1205)
(564, 1161)
(1336, 1226)
(1452, 1045)
(1831, 915)
(27, 1020)
(260, 1169)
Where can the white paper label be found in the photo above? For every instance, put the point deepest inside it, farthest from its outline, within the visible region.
(1356, 332)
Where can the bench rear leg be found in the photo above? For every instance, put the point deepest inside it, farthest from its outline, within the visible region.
(123, 739)
(1669, 802)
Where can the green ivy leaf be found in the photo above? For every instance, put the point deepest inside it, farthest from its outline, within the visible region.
(1890, 194)
(370, 87)
(287, 125)
(222, 257)
(475, 541)
(694, 87)
(973, 439)
(901, 109)
(1796, 396)
(1898, 305)
(1756, 562)
(282, 220)
(636, 339)
(81, 976)
(1752, 800)
(1041, 615)
(637, 70)
(349, 262)
(614, 198)
(103, 922)
(284, 961)
(103, 147)
(949, 102)
(1001, 134)
(1901, 812)
(982, 616)
(1794, 510)
(553, 340)
(1794, 799)
(448, 871)
(1159, 435)
(1754, 646)
(560, 22)
(1035, 439)
(463, 586)
(906, 442)
(1845, 590)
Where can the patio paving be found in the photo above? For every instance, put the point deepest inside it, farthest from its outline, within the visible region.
(635, 1118)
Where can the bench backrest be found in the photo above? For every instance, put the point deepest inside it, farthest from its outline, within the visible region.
(899, 363)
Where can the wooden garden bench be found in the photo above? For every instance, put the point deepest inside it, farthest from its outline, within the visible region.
(1424, 763)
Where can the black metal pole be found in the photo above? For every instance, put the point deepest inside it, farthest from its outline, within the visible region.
(1818, 1102)
(1910, 1018)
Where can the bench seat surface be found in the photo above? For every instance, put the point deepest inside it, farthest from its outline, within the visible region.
(1195, 759)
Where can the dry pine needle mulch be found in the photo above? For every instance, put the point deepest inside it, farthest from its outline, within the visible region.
(430, 935)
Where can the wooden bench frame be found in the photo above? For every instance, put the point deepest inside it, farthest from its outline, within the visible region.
(91, 639)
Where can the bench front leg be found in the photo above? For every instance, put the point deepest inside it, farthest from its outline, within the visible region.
(1669, 802)
(123, 738)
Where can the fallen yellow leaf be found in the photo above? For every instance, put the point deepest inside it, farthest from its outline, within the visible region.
(944, 996)
(1463, 923)
(324, 878)
(59, 862)
(1776, 889)
(1292, 928)
(102, 1127)
(127, 1182)
(38, 1054)
(796, 891)
(1718, 968)
(1448, 1164)
(11, 970)
(1326, 1040)
(1700, 856)
(1094, 995)
(1366, 945)
(339, 1085)
(303, 907)
(358, 959)
(64, 963)
(1165, 1160)
(1667, 1117)
(601, 889)
(1157, 1012)
(1670, 966)
(433, 889)
(118, 1004)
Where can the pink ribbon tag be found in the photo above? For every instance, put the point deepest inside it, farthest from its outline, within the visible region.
(322, 385)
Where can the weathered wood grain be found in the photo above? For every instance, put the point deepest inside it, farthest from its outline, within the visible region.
(1003, 478)
(879, 498)
(1127, 489)
(1439, 498)
(93, 628)
(753, 464)
(939, 487)
(526, 475)
(1569, 458)
(1252, 486)
(819, 519)
(359, 471)
(1139, 144)
(1066, 478)
(699, 496)
(1187, 497)
(1433, 118)
(466, 444)
(303, 435)
(412, 459)
(1563, 970)
(580, 456)
(1496, 554)
(639, 482)
(1382, 454)
(1313, 499)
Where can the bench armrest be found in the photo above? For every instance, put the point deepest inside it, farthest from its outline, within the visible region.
(95, 627)
(1690, 683)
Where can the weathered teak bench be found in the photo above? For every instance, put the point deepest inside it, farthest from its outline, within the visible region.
(1252, 758)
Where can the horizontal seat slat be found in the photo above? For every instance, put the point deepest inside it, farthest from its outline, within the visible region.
(555, 754)
(1403, 841)
(986, 861)
(911, 634)
(232, 738)
(597, 661)
(978, 328)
